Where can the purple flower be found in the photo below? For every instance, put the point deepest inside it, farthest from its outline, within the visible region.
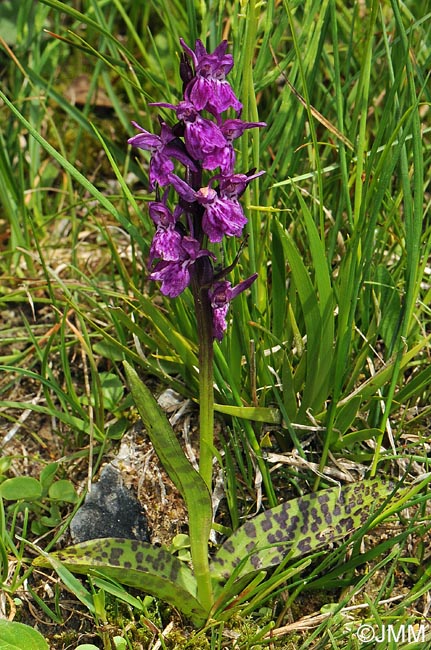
(175, 275)
(223, 213)
(204, 140)
(232, 129)
(166, 242)
(163, 147)
(234, 186)
(222, 216)
(221, 294)
(209, 89)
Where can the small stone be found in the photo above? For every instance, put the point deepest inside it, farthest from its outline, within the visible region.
(170, 400)
(109, 510)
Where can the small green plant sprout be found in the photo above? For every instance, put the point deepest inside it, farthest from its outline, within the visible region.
(208, 210)
(43, 497)
(17, 636)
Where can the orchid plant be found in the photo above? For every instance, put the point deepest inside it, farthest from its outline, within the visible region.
(191, 212)
(207, 207)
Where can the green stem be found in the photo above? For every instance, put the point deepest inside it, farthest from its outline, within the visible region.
(198, 540)
(206, 381)
(201, 567)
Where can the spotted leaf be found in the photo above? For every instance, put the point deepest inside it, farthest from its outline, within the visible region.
(298, 527)
(188, 481)
(135, 564)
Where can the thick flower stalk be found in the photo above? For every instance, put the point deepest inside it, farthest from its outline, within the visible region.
(195, 159)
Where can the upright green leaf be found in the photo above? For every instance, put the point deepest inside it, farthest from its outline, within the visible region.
(389, 304)
(188, 481)
(278, 284)
(184, 476)
(318, 320)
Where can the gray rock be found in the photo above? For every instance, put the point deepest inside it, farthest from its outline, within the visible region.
(109, 510)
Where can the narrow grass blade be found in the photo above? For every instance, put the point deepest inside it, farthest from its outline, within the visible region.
(254, 413)
(106, 203)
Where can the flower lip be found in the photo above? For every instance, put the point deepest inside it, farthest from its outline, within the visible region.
(174, 274)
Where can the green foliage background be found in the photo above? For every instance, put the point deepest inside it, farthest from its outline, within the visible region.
(328, 355)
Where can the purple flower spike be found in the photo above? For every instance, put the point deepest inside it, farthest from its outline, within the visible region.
(175, 275)
(221, 294)
(209, 89)
(163, 147)
(208, 193)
